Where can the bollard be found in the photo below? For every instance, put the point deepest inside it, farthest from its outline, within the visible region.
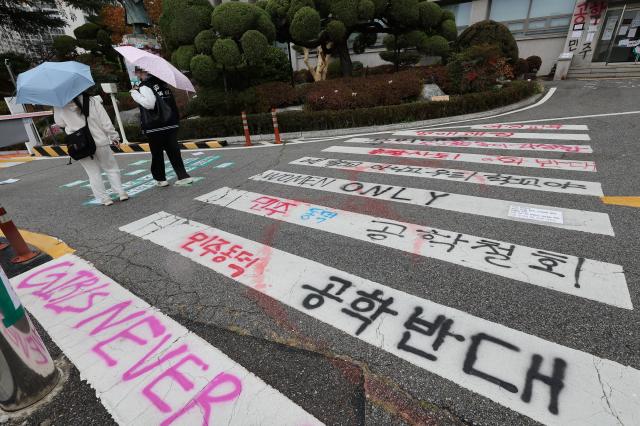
(26, 368)
(22, 250)
(245, 125)
(276, 130)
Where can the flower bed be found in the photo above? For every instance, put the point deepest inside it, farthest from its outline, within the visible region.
(298, 121)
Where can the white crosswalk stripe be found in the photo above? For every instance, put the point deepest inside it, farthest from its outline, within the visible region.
(572, 275)
(501, 135)
(575, 220)
(530, 126)
(506, 180)
(501, 160)
(544, 147)
(145, 367)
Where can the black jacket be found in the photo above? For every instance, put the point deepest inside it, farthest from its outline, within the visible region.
(150, 118)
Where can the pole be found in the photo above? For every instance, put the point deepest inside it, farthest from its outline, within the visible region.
(293, 81)
(245, 126)
(27, 370)
(118, 119)
(276, 130)
(7, 64)
(20, 247)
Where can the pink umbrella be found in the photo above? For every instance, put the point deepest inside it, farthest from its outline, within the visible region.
(157, 66)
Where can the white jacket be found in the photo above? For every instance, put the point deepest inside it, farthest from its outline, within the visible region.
(71, 119)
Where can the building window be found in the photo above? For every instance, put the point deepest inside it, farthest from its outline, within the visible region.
(533, 17)
(462, 12)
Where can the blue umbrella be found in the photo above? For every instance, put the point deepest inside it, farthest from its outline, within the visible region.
(53, 83)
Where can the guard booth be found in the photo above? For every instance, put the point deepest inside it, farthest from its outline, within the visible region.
(602, 38)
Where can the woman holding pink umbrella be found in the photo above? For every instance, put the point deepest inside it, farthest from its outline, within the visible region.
(158, 111)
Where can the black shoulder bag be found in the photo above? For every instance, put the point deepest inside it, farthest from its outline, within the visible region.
(80, 144)
(159, 116)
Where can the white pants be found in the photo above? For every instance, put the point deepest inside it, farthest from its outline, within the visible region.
(103, 160)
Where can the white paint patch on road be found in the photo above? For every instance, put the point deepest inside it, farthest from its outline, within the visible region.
(146, 368)
(502, 160)
(516, 126)
(574, 220)
(536, 183)
(594, 280)
(550, 383)
(74, 183)
(135, 172)
(502, 135)
(545, 147)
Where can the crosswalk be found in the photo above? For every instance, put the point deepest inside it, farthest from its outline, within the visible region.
(544, 380)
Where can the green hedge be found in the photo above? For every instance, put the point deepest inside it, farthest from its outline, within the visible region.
(297, 121)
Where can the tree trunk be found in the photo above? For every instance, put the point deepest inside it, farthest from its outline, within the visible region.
(345, 59)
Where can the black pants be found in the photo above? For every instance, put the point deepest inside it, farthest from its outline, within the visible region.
(166, 141)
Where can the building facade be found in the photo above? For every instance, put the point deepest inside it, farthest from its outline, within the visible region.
(599, 36)
(37, 45)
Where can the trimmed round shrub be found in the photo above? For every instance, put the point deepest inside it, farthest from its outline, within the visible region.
(234, 18)
(204, 70)
(334, 69)
(188, 23)
(182, 56)
(345, 11)
(87, 31)
(414, 39)
(265, 25)
(521, 67)
(336, 30)
(64, 45)
(448, 15)
(436, 46)
(226, 53)
(278, 8)
(103, 38)
(295, 6)
(490, 32)
(204, 41)
(366, 9)
(380, 6)
(364, 40)
(404, 12)
(449, 30)
(430, 14)
(305, 26)
(254, 45)
(535, 63)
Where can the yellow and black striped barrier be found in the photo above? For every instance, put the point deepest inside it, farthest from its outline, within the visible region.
(61, 150)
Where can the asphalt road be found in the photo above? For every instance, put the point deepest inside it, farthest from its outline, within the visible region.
(335, 376)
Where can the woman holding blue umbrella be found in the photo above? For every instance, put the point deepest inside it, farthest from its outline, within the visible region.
(71, 118)
(63, 85)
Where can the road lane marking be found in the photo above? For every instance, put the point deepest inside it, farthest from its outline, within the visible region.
(591, 279)
(622, 201)
(574, 220)
(517, 126)
(146, 368)
(536, 183)
(544, 147)
(74, 183)
(135, 172)
(147, 182)
(503, 160)
(505, 135)
(550, 383)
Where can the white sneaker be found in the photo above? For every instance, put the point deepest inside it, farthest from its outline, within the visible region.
(162, 183)
(184, 182)
(124, 197)
(107, 203)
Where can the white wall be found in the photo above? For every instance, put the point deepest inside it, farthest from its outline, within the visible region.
(547, 48)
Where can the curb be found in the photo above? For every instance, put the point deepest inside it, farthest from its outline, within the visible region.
(61, 150)
(391, 127)
(45, 243)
